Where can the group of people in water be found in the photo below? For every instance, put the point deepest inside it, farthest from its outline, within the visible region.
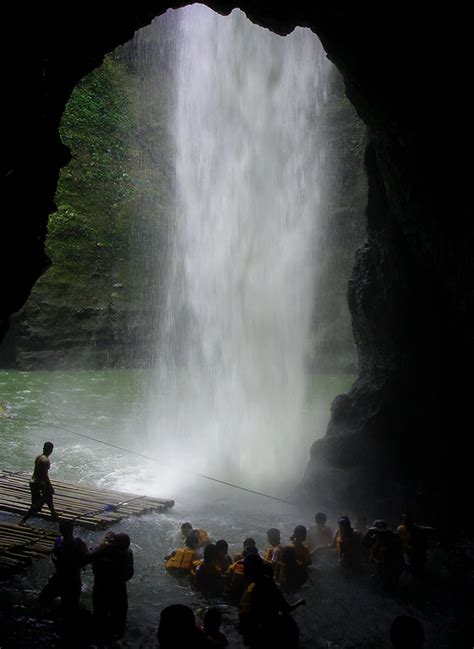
(254, 581)
(257, 582)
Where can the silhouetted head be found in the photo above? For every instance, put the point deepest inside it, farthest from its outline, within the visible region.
(209, 554)
(177, 627)
(249, 543)
(48, 448)
(253, 566)
(212, 620)
(407, 633)
(185, 529)
(66, 528)
(122, 541)
(344, 523)
(320, 518)
(192, 540)
(273, 536)
(299, 533)
(222, 547)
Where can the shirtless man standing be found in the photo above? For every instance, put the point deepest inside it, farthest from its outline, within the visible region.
(40, 485)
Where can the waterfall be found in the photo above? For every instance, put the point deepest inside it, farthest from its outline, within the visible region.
(229, 386)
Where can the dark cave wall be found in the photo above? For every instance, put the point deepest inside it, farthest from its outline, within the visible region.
(413, 278)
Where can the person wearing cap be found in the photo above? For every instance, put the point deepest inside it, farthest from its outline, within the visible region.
(386, 554)
(348, 546)
(319, 536)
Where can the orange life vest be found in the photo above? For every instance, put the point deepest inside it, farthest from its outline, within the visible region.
(183, 559)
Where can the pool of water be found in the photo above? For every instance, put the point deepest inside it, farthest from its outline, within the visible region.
(109, 405)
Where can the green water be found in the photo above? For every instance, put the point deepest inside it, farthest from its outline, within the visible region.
(110, 405)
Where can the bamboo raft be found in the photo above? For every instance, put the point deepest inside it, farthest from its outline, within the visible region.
(91, 507)
(19, 545)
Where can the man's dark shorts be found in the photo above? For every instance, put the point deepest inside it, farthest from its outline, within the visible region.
(40, 495)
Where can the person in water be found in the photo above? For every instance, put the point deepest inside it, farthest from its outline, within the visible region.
(291, 574)
(207, 576)
(70, 554)
(204, 539)
(303, 555)
(386, 554)
(112, 565)
(178, 628)
(264, 619)
(42, 490)
(415, 543)
(184, 559)
(320, 536)
(211, 625)
(222, 560)
(348, 546)
(272, 553)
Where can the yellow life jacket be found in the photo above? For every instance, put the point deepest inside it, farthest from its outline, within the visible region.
(245, 605)
(183, 559)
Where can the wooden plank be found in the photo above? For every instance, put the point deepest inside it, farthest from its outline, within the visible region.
(89, 506)
(20, 545)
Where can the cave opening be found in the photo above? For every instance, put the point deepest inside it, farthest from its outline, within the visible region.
(250, 311)
(394, 406)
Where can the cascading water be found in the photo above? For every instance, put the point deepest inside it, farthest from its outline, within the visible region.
(229, 387)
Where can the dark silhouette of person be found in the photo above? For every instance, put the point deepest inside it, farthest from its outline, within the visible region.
(292, 574)
(42, 490)
(348, 546)
(112, 565)
(177, 628)
(223, 560)
(386, 554)
(212, 626)
(264, 619)
(237, 582)
(406, 632)
(207, 576)
(415, 543)
(70, 554)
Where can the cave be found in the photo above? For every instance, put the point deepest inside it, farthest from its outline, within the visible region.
(411, 281)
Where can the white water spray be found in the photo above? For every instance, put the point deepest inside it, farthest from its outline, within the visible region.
(230, 385)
